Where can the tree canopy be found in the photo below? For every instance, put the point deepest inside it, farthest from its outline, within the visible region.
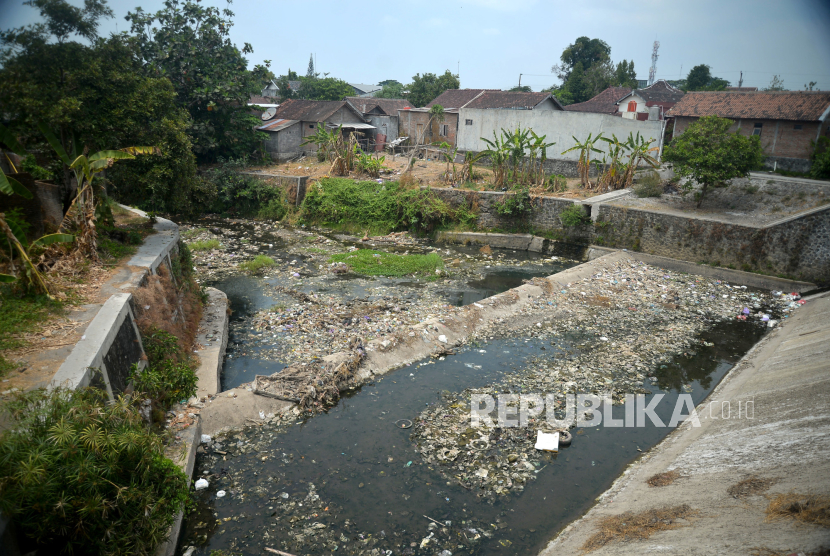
(190, 45)
(706, 153)
(426, 88)
(700, 79)
(586, 70)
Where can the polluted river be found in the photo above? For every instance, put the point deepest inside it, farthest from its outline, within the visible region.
(396, 466)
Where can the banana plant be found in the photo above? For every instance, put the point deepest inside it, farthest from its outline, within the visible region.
(641, 150)
(29, 275)
(615, 171)
(82, 208)
(498, 152)
(8, 184)
(538, 145)
(585, 149)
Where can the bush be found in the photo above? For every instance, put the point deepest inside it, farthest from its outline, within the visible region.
(821, 160)
(205, 245)
(515, 205)
(378, 207)
(242, 194)
(79, 474)
(649, 185)
(379, 263)
(170, 375)
(574, 215)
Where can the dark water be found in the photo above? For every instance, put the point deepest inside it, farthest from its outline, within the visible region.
(352, 444)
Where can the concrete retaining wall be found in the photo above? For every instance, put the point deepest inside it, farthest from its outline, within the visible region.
(797, 247)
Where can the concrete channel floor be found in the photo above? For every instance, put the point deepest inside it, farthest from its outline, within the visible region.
(786, 438)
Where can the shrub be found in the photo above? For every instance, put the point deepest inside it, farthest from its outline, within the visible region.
(239, 193)
(170, 375)
(205, 245)
(379, 263)
(574, 215)
(78, 473)
(515, 205)
(649, 185)
(275, 209)
(821, 160)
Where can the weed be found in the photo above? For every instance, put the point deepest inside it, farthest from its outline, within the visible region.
(649, 186)
(807, 508)
(170, 376)
(377, 263)
(22, 314)
(515, 205)
(258, 263)
(205, 245)
(193, 232)
(749, 486)
(114, 251)
(639, 526)
(278, 308)
(663, 479)
(751, 189)
(574, 215)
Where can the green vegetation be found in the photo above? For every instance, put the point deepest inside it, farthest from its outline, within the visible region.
(170, 375)
(586, 70)
(574, 215)
(650, 185)
(379, 263)
(19, 315)
(192, 232)
(708, 154)
(821, 160)
(700, 79)
(80, 474)
(258, 263)
(205, 245)
(379, 208)
(515, 205)
(232, 192)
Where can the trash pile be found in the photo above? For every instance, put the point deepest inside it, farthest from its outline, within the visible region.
(626, 321)
(245, 476)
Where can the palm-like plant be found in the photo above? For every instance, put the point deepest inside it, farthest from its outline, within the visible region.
(538, 145)
(499, 154)
(615, 170)
(586, 148)
(81, 211)
(640, 151)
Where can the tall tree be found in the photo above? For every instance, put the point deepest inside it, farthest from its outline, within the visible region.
(328, 88)
(586, 70)
(583, 51)
(424, 89)
(391, 89)
(190, 45)
(777, 84)
(700, 79)
(310, 71)
(625, 76)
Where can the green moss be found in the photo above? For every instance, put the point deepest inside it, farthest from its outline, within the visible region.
(258, 263)
(378, 263)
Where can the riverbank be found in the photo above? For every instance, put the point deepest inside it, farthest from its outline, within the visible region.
(783, 445)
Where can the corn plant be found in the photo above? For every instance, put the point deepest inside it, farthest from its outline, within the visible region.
(586, 149)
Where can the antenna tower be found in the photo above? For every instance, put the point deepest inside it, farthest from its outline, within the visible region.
(653, 69)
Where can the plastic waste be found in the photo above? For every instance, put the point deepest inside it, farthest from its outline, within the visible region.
(201, 484)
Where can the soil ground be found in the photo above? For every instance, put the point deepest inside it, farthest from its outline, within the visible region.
(756, 200)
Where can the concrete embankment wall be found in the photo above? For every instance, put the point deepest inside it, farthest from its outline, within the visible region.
(797, 246)
(768, 418)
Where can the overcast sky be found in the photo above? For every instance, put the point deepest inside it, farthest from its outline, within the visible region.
(493, 41)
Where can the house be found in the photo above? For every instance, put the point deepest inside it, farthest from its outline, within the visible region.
(295, 120)
(382, 113)
(603, 103)
(271, 89)
(411, 122)
(788, 123)
(649, 103)
(362, 90)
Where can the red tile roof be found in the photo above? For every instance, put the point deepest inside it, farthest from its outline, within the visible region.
(603, 103)
(806, 106)
(456, 98)
(742, 89)
(510, 99)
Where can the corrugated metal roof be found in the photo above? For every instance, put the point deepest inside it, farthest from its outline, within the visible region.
(277, 125)
(352, 125)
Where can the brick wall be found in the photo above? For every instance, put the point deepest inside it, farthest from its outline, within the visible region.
(408, 121)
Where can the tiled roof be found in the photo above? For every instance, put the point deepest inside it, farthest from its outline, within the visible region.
(742, 89)
(389, 106)
(456, 98)
(509, 99)
(309, 110)
(660, 91)
(257, 99)
(807, 106)
(603, 103)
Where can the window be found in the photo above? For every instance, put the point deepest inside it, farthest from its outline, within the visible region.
(310, 126)
(757, 129)
(468, 122)
(632, 106)
(445, 130)
(797, 127)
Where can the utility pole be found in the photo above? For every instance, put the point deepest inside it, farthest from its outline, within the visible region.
(520, 81)
(741, 80)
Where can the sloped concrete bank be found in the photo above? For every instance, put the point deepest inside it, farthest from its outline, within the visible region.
(769, 418)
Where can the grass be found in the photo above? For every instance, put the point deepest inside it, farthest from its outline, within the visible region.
(378, 263)
(749, 486)
(806, 508)
(663, 479)
(21, 315)
(639, 526)
(114, 250)
(193, 232)
(258, 263)
(205, 245)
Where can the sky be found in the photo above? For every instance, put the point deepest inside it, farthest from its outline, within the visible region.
(490, 42)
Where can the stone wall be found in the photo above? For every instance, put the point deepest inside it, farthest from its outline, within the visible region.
(797, 247)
